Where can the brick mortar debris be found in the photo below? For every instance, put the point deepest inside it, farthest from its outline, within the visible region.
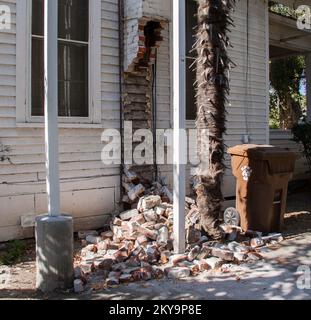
(139, 247)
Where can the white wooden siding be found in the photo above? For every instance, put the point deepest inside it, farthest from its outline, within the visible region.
(90, 190)
(255, 100)
(248, 107)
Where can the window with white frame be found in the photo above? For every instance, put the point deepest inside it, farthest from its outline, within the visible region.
(79, 38)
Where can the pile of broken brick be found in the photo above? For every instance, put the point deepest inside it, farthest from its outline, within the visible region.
(135, 186)
(139, 247)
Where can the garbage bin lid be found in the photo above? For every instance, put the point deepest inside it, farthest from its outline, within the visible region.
(262, 152)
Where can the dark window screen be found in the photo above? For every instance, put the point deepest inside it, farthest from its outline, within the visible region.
(73, 57)
(191, 22)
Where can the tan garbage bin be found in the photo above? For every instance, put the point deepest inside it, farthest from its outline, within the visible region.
(262, 173)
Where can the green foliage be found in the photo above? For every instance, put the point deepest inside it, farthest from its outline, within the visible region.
(286, 74)
(15, 251)
(286, 101)
(302, 134)
(274, 119)
(283, 10)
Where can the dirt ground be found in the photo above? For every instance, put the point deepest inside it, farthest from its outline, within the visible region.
(273, 278)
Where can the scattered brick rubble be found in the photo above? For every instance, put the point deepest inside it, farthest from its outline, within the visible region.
(135, 186)
(139, 247)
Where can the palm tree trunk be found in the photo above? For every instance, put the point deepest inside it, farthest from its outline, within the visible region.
(212, 89)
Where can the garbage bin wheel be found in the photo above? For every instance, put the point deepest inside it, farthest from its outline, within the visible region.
(232, 217)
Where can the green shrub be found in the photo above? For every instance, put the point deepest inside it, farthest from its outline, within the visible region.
(302, 134)
(14, 253)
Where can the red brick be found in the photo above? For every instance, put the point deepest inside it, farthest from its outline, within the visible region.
(136, 275)
(178, 258)
(139, 219)
(223, 254)
(126, 278)
(107, 235)
(133, 261)
(203, 265)
(165, 256)
(87, 267)
(106, 263)
(157, 273)
(146, 273)
(194, 252)
(121, 256)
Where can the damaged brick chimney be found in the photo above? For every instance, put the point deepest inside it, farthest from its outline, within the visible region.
(138, 76)
(142, 37)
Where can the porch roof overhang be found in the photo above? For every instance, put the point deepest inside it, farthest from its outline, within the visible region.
(285, 37)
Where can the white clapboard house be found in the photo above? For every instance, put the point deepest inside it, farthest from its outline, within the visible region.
(96, 45)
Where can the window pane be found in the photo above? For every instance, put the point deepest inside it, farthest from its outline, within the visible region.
(191, 22)
(73, 58)
(38, 17)
(73, 19)
(37, 77)
(191, 109)
(73, 80)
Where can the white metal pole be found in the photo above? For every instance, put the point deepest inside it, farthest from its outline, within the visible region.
(267, 40)
(51, 105)
(179, 101)
(308, 87)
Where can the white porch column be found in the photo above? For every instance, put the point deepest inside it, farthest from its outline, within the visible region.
(308, 87)
(179, 100)
(267, 45)
(51, 105)
(54, 232)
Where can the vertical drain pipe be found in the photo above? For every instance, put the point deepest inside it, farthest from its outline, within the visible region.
(155, 118)
(121, 81)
